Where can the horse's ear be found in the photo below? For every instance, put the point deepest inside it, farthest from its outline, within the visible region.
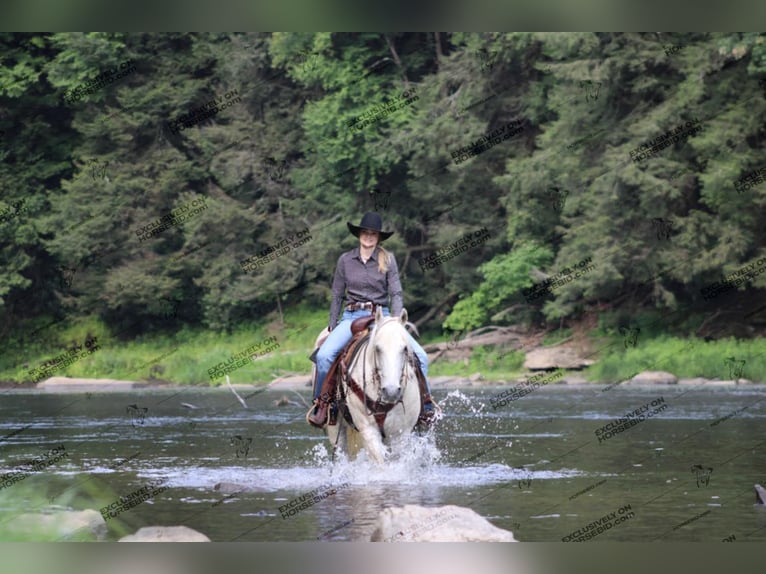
(378, 314)
(403, 316)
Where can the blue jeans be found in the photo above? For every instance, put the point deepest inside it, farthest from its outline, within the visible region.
(341, 335)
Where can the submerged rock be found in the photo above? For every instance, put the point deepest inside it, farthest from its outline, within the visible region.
(413, 523)
(234, 488)
(760, 494)
(166, 534)
(229, 487)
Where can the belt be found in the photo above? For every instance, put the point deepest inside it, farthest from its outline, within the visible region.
(357, 306)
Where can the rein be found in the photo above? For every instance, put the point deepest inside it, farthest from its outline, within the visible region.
(377, 408)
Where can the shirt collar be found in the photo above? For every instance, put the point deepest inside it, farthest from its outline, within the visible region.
(358, 255)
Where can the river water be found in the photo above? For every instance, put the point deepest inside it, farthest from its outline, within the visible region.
(534, 466)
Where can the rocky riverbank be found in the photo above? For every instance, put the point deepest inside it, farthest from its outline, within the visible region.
(301, 382)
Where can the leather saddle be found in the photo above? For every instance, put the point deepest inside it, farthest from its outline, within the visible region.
(359, 325)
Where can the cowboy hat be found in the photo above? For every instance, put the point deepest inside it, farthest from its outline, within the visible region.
(371, 221)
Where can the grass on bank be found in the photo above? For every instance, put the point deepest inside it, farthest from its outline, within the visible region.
(186, 356)
(183, 357)
(685, 358)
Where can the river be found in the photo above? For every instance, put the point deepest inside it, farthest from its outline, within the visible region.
(534, 466)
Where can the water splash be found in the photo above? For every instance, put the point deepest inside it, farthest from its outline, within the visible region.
(456, 402)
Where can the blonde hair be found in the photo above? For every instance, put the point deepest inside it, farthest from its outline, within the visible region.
(383, 259)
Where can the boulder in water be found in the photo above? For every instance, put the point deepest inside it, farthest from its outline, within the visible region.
(450, 523)
(166, 534)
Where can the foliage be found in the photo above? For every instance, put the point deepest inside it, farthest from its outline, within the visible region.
(93, 172)
(504, 278)
(685, 358)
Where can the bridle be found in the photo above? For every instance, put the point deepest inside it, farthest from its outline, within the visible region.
(376, 371)
(377, 408)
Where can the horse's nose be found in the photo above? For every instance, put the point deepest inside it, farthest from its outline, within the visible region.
(390, 395)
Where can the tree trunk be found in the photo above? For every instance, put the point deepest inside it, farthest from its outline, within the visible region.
(398, 61)
(439, 53)
(279, 309)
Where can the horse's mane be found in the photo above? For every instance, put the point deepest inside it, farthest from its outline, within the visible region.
(385, 321)
(373, 332)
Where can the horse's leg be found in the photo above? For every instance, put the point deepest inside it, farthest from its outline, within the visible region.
(334, 436)
(353, 443)
(340, 444)
(373, 442)
(343, 442)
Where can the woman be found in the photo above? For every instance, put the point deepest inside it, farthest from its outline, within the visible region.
(367, 275)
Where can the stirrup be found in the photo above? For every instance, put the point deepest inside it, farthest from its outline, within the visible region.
(332, 414)
(426, 419)
(312, 408)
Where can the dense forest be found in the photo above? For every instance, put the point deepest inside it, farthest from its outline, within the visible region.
(150, 180)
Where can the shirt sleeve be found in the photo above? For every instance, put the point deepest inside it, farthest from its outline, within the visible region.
(338, 289)
(394, 286)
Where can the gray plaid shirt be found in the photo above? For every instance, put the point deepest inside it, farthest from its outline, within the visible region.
(362, 282)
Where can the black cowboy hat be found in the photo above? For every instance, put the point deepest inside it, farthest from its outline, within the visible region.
(371, 221)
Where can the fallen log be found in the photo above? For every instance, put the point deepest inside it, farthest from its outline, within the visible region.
(489, 335)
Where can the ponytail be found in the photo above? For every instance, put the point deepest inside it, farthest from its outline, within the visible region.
(383, 259)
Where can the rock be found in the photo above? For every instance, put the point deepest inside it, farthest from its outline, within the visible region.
(475, 377)
(166, 534)
(760, 494)
(413, 523)
(59, 384)
(695, 381)
(234, 488)
(228, 487)
(572, 380)
(555, 358)
(285, 401)
(65, 525)
(653, 378)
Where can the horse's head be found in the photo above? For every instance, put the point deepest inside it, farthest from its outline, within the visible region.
(389, 346)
